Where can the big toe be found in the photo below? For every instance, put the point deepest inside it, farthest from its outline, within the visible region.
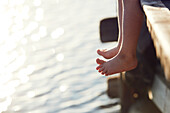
(101, 52)
(99, 61)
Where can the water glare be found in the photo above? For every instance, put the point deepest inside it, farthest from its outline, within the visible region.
(4, 2)
(23, 73)
(63, 88)
(42, 31)
(57, 1)
(17, 64)
(25, 12)
(19, 23)
(31, 27)
(15, 2)
(5, 77)
(39, 14)
(37, 2)
(31, 94)
(18, 2)
(35, 37)
(6, 91)
(24, 41)
(16, 108)
(4, 105)
(60, 57)
(57, 33)
(40, 72)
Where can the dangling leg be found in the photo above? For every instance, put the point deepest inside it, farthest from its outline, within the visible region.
(126, 60)
(112, 52)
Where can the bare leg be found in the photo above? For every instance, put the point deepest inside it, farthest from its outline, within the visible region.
(112, 52)
(125, 60)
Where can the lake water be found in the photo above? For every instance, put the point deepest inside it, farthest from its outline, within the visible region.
(47, 54)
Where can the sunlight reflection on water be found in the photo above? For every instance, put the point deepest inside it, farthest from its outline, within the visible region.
(35, 37)
(60, 57)
(31, 94)
(31, 27)
(39, 14)
(63, 88)
(57, 33)
(11, 60)
(42, 31)
(43, 59)
(37, 2)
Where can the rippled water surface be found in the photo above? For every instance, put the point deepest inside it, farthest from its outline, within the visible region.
(47, 55)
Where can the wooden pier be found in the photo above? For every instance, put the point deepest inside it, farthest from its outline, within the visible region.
(146, 89)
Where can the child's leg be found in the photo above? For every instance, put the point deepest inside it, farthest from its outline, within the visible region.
(112, 52)
(126, 58)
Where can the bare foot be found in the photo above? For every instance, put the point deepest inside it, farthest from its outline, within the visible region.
(108, 53)
(118, 64)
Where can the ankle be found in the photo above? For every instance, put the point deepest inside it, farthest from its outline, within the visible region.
(128, 57)
(129, 61)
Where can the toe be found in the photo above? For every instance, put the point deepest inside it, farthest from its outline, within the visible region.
(99, 61)
(98, 67)
(104, 71)
(101, 51)
(106, 75)
(101, 69)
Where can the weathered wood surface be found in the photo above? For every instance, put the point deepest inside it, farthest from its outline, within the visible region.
(144, 106)
(158, 22)
(161, 94)
(134, 98)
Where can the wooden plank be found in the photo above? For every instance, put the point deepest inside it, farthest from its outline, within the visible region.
(161, 93)
(158, 22)
(167, 103)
